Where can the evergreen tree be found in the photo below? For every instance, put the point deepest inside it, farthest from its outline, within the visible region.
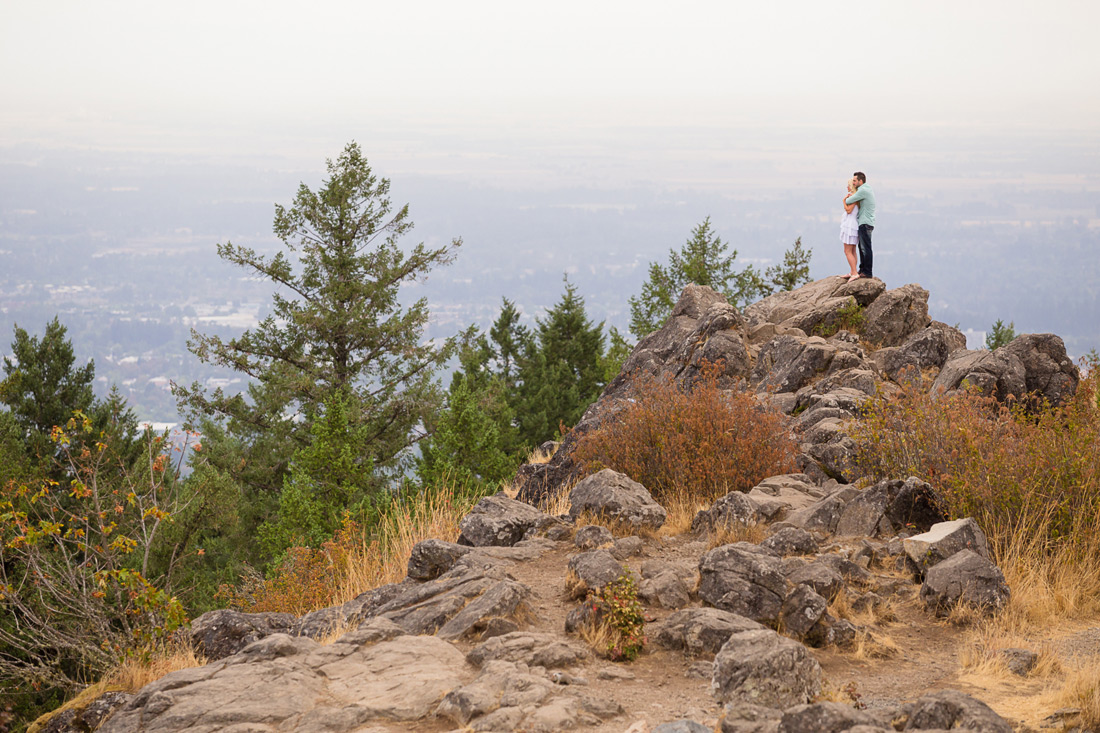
(560, 373)
(336, 328)
(511, 339)
(794, 271)
(1000, 335)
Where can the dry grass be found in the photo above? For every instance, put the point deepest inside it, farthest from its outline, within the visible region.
(1080, 689)
(681, 509)
(874, 646)
(539, 456)
(727, 534)
(130, 676)
(617, 527)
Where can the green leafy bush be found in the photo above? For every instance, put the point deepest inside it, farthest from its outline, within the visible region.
(617, 609)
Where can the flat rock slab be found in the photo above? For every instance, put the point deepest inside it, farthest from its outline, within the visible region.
(295, 684)
(944, 540)
(530, 648)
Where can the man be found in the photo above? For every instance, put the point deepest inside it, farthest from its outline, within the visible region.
(865, 197)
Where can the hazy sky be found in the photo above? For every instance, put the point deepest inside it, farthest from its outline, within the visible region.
(206, 74)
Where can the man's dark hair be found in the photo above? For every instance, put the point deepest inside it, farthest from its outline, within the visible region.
(862, 178)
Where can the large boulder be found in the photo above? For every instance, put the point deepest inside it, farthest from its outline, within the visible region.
(498, 520)
(790, 306)
(965, 578)
(431, 558)
(928, 348)
(701, 631)
(1049, 373)
(615, 497)
(590, 571)
(787, 363)
(952, 710)
(763, 668)
(735, 509)
(943, 540)
(801, 611)
(824, 717)
(896, 315)
(218, 634)
(744, 579)
(993, 373)
(890, 506)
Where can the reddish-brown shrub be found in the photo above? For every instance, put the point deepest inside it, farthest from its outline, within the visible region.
(697, 444)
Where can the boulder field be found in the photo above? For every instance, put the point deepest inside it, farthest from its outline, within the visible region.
(486, 633)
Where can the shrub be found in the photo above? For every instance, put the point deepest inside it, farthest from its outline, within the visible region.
(693, 445)
(618, 619)
(1030, 478)
(849, 317)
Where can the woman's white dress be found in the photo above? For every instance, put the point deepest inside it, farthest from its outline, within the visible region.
(849, 227)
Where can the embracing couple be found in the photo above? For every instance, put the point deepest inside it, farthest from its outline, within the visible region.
(857, 225)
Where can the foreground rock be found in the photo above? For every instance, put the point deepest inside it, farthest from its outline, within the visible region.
(763, 668)
(945, 539)
(744, 579)
(965, 578)
(293, 683)
(498, 520)
(614, 497)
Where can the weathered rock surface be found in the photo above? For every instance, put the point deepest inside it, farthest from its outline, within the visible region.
(617, 498)
(593, 536)
(802, 609)
(742, 717)
(896, 315)
(1049, 373)
(533, 649)
(218, 634)
(702, 631)
(824, 717)
(763, 668)
(498, 520)
(744, 579)
(819, 576)
(591, 571)
(665, 584)
(431, 558)
(732, 510)
(943, 540)
(994, 373)
(892, 505)
(953, 710)
(293, 683)
(964, 578)
(791, 541)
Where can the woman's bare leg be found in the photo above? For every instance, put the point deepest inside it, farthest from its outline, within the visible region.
(850, 253)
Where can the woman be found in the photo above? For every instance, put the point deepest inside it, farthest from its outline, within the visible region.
(849, 231)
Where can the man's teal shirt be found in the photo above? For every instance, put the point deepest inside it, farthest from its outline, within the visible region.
(865, 197)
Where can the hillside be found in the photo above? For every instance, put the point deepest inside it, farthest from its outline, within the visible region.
(819, 599)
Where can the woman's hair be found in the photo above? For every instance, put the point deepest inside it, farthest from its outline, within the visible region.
(851, 184)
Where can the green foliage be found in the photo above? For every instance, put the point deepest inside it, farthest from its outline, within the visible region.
(326, 478)
(706, 260)
(849, 317)
(1000, 335)
(77, 585)
(41, 387)
(618, 351)
(616, 605)
(336, 328)
(560, 373)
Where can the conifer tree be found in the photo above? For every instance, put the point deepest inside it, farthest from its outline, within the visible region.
(337, 328)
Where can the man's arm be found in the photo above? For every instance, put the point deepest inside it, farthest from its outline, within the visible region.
(856, 197)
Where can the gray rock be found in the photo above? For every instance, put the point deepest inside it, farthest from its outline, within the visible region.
(593, 536)
(1019, 661)
(763, 668)
(431, 558)
(500, 521)
(788, 363)
(744, 579)
(282, 682)
(743, 717)
(625, 547)
(802, 609)
(848, 570)
(530, 648)
(732, 510)
(944, 540)
(967, 578)
(928, 348)
(825, 581)
(88, 718)
(682, 726)
(953, 710)
(998, 373)
(781, 307)
(591, 570)
(824, 717)
(791, 541)
(896, 315)
(617, 498)
(891, 505)
(218, 634)
(499, 684)
(701, 631)
(666, 585)
(824, 514)
(1049, 373)
(501, 601)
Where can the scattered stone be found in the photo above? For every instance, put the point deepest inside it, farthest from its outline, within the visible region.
(625, 547)
(735, 509)
(601, 707)
(1060, 718)
(593, 536)
(614, 673)
(763, 668)
(701, 631)
(533, 649)
(824, 717)
(591, 570)
(218, 634)
(819, 576)
(666, 589)
(1019, 661)
(682, 726)
(742, 717)
(500, 684)
(964, 578)
(944, 540)
(745, 579)
(952, 710)
(700, 671)
(499, 521)
(850, 571)
(791, 541)
(801, 611)
(617, 498)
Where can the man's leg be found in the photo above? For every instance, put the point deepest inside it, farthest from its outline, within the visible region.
(866, 257)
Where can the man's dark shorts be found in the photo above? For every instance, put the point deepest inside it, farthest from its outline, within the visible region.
(866, 257)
